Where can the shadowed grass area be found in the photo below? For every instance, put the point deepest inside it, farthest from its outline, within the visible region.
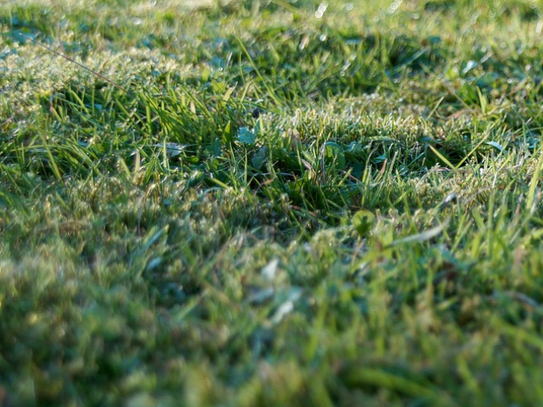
(274, 203)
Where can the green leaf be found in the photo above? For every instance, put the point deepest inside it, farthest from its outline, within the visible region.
(227, 133)
(333, 155)
(496, 145)
(259, 158)
(246, 136)
(363, 222)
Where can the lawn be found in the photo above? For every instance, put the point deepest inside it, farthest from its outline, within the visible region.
(271, 203)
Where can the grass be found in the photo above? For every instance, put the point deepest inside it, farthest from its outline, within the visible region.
(278, 203)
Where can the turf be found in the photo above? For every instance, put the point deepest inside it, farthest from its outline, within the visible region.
(274, 203)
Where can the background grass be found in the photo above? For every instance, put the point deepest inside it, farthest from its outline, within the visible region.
(282, 203)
